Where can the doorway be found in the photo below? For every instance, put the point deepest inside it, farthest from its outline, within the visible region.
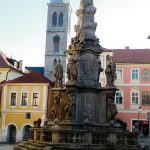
(11, 134)
(25, 132)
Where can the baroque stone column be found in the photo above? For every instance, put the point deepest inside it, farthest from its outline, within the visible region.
(84, 66)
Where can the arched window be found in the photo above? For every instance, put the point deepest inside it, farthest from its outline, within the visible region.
(61, 19)
(134, 97)
(56, 41)
(54, 19)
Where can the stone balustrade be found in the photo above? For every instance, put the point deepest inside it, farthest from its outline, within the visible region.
(88, 137)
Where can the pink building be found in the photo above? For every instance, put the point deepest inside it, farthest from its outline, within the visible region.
(133, 82)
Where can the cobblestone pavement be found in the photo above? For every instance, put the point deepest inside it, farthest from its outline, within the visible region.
(6, 147)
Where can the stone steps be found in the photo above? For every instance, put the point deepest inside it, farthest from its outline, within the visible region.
(30, 145)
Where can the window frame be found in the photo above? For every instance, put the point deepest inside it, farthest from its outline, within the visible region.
(10, 103)
(26, 99)
(137, 97)
(120, 73)
(134, 74)
(56, 43)
(37, 100)
(28, 115)
(61, 19)
(120, 96)
(54, 19)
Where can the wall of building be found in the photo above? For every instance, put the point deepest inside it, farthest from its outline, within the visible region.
(16, 115)
(127, 110)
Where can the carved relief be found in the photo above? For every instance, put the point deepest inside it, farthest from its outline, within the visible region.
(70, 107)
(146, 98)
(146, 74)
(90, 10)
(88, 106)
(56, 107)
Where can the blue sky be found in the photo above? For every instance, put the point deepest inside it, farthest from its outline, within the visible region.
(23, 26)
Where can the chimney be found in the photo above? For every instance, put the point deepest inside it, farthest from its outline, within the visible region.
(20, 64)
(16, 64)
(127, 47)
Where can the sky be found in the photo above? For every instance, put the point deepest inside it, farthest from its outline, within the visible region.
(121, 23)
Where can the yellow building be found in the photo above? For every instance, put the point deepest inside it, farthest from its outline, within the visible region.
(23, 100)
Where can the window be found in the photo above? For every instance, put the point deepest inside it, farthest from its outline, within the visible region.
(27, 115)
(13, 99)
(24, 99)
(54, 19)
(61, 19)
(35, 99)
(119, 73)
(56, 41)
(135, 74)
(118, 98)
(135, 97)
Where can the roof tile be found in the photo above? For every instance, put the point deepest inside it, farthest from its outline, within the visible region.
(32, 77)
(131, 55)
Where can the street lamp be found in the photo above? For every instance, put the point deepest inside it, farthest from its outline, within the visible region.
(139, 112)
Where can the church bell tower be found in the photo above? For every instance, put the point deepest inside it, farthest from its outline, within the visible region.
(57, 35)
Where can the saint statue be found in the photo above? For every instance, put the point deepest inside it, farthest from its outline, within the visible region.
(55, 109)
(111, 110)
(70, 107)
(71, 70)
(110, 71)
(58, 74)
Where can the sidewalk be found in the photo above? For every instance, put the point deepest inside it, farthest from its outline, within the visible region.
(6, 147)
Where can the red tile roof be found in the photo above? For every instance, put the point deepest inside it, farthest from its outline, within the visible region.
(140, 56)
(32, 77)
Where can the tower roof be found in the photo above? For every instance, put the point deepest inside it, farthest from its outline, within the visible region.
(59, 1)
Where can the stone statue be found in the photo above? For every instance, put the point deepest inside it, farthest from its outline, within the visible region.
(55, 109)
(70, 107)
(99, 69)
(110, 71)
(37, 123)
(58, 74)
(111, 110)
(71, 70)
(54, 112)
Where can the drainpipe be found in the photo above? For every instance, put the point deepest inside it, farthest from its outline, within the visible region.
(7, 74)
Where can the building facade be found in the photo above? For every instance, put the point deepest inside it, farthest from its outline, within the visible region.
(23, 100)
(57, 35)
(133, 82)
